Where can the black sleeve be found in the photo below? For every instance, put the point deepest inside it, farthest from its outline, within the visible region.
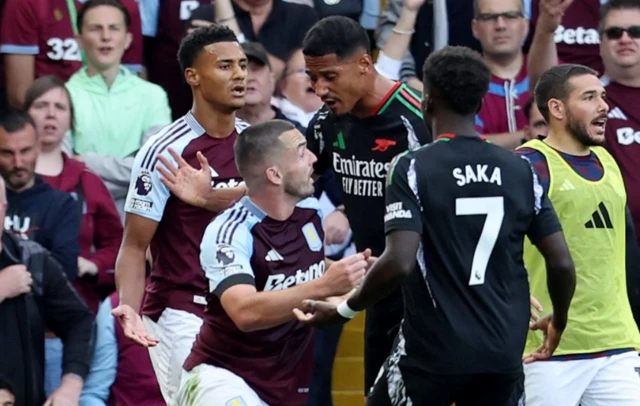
(403, 210)
(204, 12)
(633, 267)
(305, 17)
(69, 318)
(64, 243)
(315, 144)
(545, 220)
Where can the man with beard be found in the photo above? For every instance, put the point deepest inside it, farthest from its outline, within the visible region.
(262, 257)
(597, 362)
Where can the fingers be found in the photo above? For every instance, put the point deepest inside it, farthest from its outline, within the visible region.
(166, 163)
(167, 176)
(179, 159)
(352, 259)
(303, 317)
(204, 162)
(200, 23)
(366, 253)
(117, 312)
(535, 303)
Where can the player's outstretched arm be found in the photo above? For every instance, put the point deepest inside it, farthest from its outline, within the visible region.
(193, 186)
(251, 310)
(130, 276)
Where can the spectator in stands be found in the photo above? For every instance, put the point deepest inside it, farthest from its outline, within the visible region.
(54, 225)
(7, 393)
(163, 29)
(537, 127)
(34, 295)
(48, 102)
(442, 22)
(260, 86)
(278, 25)
(121, 371)
(115, 110)
(573, 26)
(298, 101)
(38, 37)
(501, 28)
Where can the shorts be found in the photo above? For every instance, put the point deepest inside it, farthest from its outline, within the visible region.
(381, 328)
(398, 387)
(603, 381)
(176, 330)
(206, 385)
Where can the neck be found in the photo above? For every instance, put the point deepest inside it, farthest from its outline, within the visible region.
(379, 88)
(109, 74)
(451, 123)
(504, 66)
(28, 186)
(562, 140)
(257, 113)
(217, 122)
(263, 8)
(50, 161)
(629, 77)
(276, 204)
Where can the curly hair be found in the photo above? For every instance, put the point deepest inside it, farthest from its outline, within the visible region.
(194, 43)
(459, 76)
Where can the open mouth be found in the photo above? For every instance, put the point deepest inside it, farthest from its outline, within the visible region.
(105, 50)
(238, 91)
(599, 124)
(49, 128)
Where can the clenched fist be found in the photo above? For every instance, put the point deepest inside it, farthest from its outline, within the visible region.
(15, 280)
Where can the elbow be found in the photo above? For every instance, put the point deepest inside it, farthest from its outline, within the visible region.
(404, 267)
(246, 321)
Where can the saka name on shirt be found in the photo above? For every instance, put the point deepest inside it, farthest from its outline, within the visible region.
(623, 140)
(577, 36)
(244, 246)
(177, 280)
(360, 152)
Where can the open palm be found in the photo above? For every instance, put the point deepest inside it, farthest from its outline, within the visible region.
(186, 182)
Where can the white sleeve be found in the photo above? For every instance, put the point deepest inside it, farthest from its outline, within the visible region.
(147, 194)
(225, 252)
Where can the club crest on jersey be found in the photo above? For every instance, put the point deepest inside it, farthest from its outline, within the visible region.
(237, 401)
(225, 255)
(143, 183)
(313, 238)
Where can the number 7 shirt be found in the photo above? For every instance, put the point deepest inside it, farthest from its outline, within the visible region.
(43, 28)
(467, 301)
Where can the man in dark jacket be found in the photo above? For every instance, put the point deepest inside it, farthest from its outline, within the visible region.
(35, 295)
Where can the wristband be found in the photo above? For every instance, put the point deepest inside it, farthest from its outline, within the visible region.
(340, 209)
(345, 311)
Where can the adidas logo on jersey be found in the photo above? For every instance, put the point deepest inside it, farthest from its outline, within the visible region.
(279, 281)
(566, 185)
(600, 218)
(617, 113)
(273, 256)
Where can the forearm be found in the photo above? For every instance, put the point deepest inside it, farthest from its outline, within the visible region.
(73, 382)
(218, 200)
(263, 310)
(225, 15)
(543, 55)
(400, 38)
(386, 274)
(506, 140)
(130, 278)
(561, 283)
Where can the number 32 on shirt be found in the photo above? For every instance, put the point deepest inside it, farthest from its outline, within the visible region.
(63, 49)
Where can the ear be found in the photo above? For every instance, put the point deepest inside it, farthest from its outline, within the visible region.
(365, 63)
(557, 109)
(525, 132)
(80, 41)
(191, 76)
(272, 78)
(273, 175)
(480, 106)
(127, 40)
(474, 28)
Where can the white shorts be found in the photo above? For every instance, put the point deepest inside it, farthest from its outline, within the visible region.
(206, 385)
(176, 330)
(605, 381)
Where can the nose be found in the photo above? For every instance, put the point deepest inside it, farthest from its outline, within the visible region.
(500, 23)
(320, 88)
(51, 111)
(604, 106)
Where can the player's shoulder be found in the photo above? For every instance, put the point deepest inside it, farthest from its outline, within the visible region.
(241, 125)
(232, 227)
(310, 203)
(176, 136)
(322, 117)
(403, 100)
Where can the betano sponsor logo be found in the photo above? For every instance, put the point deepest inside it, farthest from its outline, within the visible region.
(281, 281)
(576, 36)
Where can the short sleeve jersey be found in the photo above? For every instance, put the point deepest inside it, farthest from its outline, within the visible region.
(467, 301)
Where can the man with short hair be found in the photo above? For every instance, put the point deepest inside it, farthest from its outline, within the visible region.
(115, 110)
(457, 214)
(536, 127)
(597, 361)
(215, 67)
(262, 257)
(366, 120)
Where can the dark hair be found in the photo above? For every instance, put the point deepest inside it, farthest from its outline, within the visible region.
(554, 84)
(476, 7)
(256, 143)
(97, 3)
(335, 35)
(194, 43)
(459, 76)
(527, 108)
(615, 5)
(41, 86)
(15, 120)
(5, 384)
